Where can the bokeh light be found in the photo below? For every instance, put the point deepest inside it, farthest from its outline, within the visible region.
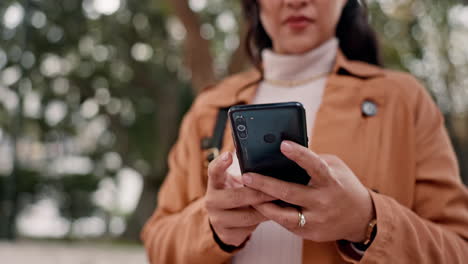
(13, 16)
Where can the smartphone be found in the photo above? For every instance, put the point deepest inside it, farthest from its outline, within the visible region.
(258, 131)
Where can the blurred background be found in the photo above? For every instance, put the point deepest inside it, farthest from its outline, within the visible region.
(92, 92)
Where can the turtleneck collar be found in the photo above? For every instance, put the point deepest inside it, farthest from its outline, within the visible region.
(300, 66)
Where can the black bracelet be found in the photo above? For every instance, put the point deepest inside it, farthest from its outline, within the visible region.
(221, 244)
(364, 247)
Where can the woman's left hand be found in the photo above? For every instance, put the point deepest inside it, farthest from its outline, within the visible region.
(336, 204)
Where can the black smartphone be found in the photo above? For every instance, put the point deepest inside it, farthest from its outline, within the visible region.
(258, 131)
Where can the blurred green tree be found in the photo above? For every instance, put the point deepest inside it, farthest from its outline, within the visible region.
(92, 90)
(427, 38)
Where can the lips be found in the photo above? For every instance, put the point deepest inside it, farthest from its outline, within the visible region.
(298, 22)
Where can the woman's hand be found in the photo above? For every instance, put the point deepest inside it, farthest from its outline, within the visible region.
(335, 204)
(230, 209)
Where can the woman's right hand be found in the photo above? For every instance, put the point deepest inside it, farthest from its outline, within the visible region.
(230, 210)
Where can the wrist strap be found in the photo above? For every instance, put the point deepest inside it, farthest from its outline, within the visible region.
(222, 245)
(215, 143)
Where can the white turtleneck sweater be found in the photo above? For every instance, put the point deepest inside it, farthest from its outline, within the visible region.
(271, 243)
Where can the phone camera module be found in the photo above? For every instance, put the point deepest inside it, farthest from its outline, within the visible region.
(241, 127)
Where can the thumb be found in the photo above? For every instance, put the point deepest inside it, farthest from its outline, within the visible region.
(217, 171)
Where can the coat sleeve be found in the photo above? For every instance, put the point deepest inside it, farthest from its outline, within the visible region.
(435, 229)
(179, 231)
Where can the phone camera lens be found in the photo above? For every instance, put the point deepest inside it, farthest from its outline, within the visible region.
(241, 128)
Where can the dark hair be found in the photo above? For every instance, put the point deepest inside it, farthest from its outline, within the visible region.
(357, 38)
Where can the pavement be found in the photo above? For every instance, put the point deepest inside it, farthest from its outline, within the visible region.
(70, 253)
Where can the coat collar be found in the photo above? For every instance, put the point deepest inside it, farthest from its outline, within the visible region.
(357, 69)
(241, 88)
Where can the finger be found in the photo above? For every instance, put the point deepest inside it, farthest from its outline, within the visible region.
(234, 218)
(316, 167)
(287, 217)
(217, 171)
(293, 193)
(237, 197)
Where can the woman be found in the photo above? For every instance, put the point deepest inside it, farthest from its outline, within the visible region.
(387, 191)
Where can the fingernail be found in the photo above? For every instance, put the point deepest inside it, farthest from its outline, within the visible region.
(247, 178)
(225, 156)
(286, 146)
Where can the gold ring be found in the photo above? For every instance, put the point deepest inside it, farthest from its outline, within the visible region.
(302, 219)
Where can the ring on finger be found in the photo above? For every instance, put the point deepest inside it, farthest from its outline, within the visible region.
(302, 220)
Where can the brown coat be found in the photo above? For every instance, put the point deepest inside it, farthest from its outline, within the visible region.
(403, 152)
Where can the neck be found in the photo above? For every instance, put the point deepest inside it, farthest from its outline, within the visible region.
(300, 66)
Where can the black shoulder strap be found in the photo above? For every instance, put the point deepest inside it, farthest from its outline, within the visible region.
(215, 143)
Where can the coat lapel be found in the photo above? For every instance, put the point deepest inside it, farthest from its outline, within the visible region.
(340, 127)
